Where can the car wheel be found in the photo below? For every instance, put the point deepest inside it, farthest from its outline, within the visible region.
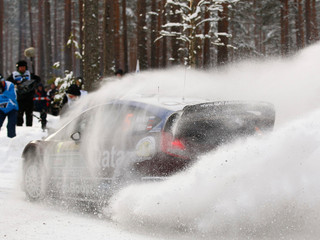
(34, 181)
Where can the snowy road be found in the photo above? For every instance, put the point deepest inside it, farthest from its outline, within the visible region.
(21, 219)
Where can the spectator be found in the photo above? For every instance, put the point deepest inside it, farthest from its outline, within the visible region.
(72, 94)
(79, 83)
(119, 73)
(8, 106)
(53, 107)
(41, 101)
(41, 104)
(52, 91)
(26, 83)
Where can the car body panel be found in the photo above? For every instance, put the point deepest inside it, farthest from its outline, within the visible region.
(123, 140)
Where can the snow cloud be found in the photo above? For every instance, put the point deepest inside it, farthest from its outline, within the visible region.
(256, 187)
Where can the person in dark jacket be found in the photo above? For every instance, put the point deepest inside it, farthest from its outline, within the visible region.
(119, 73)
(54, 107)
(8, 106)
(26, 83)
(41, 100)
(41, 104)
(72, 94)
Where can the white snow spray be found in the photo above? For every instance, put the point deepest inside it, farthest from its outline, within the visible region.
(266, 186)
(263, 187)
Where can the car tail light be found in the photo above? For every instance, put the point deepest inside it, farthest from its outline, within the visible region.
(172, 146)
(258, 131)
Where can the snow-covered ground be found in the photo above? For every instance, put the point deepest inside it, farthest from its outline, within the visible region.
(264, 187)
(21, 219)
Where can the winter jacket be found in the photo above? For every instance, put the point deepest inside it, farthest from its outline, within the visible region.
(8, 97)
(41, 101)
(26, 84)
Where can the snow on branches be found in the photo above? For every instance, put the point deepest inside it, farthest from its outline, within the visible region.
(186, 20)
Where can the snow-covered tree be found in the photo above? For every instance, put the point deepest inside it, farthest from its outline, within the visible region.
(63, 83)
(189, 27)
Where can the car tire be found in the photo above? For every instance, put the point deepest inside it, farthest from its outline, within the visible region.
(34, 179)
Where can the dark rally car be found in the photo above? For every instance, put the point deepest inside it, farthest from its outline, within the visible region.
(122, 141)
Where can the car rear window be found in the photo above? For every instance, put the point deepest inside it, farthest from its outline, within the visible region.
(139, 120)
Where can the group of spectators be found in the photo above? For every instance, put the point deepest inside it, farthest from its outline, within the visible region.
(22, 93)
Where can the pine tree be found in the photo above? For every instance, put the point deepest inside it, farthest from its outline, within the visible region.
(91, 45)
(284, 27)
(67, 35)
(108, 44)
(125, 36)
(47, 40)
(142, 34)
(299, 24)
(1, 36)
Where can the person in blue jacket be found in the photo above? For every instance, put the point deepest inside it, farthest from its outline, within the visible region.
(8, 106)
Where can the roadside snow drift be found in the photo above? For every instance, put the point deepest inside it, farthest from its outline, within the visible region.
(260, 187)
(268, 186)
(265, 186)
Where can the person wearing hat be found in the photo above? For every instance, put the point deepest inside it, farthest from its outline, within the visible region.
(79, 83)
(26, 83)
(119, 73)
(8, 106)
(72, 94)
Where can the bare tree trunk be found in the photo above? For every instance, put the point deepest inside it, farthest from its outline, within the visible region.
(10, 47)
(81, 34)
(192, 45)
(315, 34)
(116, 33)
(1, 37)
(206, 44)
(30, 23)
(91, 44)
(308, 21)
(74, 34)
(158, 44)
(22, 29)
(153, 35)
(164, 40)
(175, 44)
(125, 36)
(47, 40)
(141, 34)
(108, 47)
(284, 27)
(257, 31)
(133, 53)
(223, 25)
(55, 31)
(299, 24)
(67, 34)
(40, 69)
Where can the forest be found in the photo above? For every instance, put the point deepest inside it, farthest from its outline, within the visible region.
(94, 38)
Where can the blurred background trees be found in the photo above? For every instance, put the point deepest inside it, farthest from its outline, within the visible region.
(95, 38)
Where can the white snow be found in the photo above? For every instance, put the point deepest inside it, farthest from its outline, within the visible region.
(263, 187)
(21, 219)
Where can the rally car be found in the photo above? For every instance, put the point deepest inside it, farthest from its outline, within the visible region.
(143, 139)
